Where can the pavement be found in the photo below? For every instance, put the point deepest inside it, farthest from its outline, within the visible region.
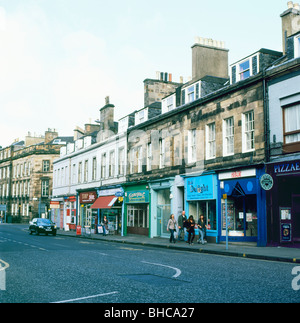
(282, 254)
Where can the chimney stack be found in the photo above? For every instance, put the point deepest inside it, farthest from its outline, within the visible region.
(290, 23)
(209, 57)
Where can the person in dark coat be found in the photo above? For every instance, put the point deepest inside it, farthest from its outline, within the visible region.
(190, 227)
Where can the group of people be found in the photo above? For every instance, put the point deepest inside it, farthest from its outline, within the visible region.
(188, 225)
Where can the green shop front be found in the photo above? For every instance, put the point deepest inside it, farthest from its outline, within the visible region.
(136, 210)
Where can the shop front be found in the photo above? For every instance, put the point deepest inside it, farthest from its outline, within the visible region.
(284, 203)
(87, 218)
(136, 210)
(201, 199)
(109, 204)
(246, 208)
(167, 197)
(57, 212)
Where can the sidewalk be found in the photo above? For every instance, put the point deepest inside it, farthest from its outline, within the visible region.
(283, 254)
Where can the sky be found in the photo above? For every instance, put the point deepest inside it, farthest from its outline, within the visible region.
(59, 59)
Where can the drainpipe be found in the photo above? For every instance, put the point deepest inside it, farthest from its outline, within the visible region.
(266, 117)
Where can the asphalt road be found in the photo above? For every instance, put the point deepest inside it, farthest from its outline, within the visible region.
(46, 269)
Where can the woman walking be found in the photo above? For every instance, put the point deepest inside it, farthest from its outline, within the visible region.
(172, 227)
(190, 227)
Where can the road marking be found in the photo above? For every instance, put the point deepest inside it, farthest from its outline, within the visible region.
(131, 249)
(3, 274)
(5, 265)
(178, 271)
(81, 298)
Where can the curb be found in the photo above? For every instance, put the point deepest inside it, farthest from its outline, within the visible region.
(204, 251)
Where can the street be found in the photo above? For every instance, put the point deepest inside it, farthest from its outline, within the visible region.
(47, 269)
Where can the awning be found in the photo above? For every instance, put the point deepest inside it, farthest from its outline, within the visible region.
(104, 202)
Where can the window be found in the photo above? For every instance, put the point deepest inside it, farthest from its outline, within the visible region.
(121, 170)
(103, 165)
(170, 103)
(244, 70)
(141, 116)
(94, 172)
(45, 188)
(192, 146)
(161, 153)
(297, 46)
(131, 163)
(73, 174)
(228, 137)
(86, 170)
(111, 166)
(137, 216)
(191, 93)
(211, 141)
(140, 159)
(291, 127)
(248, 131)
(149, 156)
(46, 166)
(79, 172)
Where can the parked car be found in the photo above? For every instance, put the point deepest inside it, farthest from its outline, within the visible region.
(39, 225)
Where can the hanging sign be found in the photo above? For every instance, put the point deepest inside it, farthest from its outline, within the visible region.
(266, 182)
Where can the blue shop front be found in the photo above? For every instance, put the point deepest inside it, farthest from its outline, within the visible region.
(201, 199)
(246, 206)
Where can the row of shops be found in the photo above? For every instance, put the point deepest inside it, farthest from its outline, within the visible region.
(260, 208)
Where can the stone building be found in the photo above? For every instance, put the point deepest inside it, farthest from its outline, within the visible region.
(209, 141)
(26, 176)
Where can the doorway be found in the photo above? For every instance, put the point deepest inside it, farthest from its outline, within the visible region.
(296, 218)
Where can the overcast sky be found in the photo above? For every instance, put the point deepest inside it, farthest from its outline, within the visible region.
(59, 59)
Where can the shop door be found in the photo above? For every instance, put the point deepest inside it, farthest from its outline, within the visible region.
(163, 216)
(159, 216)
(296, 218)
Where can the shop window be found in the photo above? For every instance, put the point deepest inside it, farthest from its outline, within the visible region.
(137, 216)
(291, 117)
(242, 214)
(207, 209)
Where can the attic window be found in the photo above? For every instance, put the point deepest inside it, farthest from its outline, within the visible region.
(245, 70)
(297, 46)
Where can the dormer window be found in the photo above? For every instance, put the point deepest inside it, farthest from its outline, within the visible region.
(244, 70)
(297, 46)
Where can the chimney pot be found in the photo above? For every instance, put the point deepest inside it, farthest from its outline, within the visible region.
(290, 4)
(296, 6)
(170, 77)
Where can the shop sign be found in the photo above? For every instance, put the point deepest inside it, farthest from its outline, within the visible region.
(2, 207)
(286, 232)
(87, 197)
(200, 188)
(137, 197)
(238, 174)
(266, 182)
(287, 168)
(54, 205)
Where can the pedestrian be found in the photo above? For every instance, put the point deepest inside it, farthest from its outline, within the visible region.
(190, 226)
(172, 227)
(105, 225)
(181, 220)
(202, 229)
